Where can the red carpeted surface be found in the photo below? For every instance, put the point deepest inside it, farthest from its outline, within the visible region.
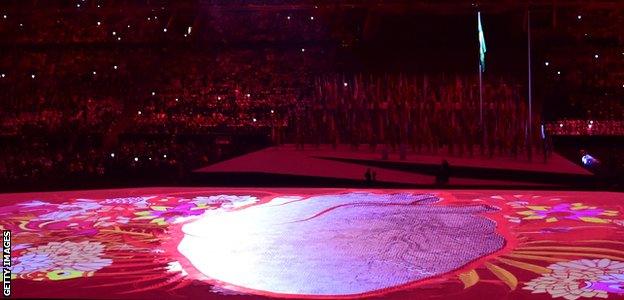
(315, 243)
(327, 162)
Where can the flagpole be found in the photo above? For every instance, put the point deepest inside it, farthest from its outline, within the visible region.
(481, 61)
(480, 96)
(481, 123)
(530, 85)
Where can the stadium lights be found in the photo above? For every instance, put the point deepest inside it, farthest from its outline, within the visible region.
(288, 17)
(164, 29)
(345, 84)
(94, 73)
(312, 18)
(302, 49)
(115, 67)
(4, 16)
(99, 23)
(547, 64)
(112, 155)
(164, 155)
(596, 56)
(558, 72)
(114, 33)
(2, 75)
(579, 17)
(32, 76)
(136, 158)
(139, 113)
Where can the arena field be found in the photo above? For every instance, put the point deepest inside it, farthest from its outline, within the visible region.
(313, 243)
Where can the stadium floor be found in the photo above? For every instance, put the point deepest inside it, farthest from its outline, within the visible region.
(315, 243)
(415, 171)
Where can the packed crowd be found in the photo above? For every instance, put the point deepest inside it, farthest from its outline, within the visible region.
(583, 68)
(587, 128)
(64, 111)
(125, 22)
(39, 162)
(84, 116)
(118, 88)
(236, 91)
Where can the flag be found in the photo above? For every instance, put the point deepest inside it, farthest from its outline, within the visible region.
(482, 48)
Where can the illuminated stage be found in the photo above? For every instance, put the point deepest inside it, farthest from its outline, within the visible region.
(326, 166)
(315, 243)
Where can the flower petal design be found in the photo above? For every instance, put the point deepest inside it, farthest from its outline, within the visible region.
(579, 278)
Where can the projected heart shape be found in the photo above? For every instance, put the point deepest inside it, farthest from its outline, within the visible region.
(342, 244)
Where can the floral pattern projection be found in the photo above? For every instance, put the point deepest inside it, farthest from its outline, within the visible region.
(540, 244)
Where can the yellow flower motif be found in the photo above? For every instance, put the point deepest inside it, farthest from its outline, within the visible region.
(13, 276)
(66, 274)
(574, 211)
(164, 215)
(147, 215)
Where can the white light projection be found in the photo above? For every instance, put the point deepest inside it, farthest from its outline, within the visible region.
(342, 244)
